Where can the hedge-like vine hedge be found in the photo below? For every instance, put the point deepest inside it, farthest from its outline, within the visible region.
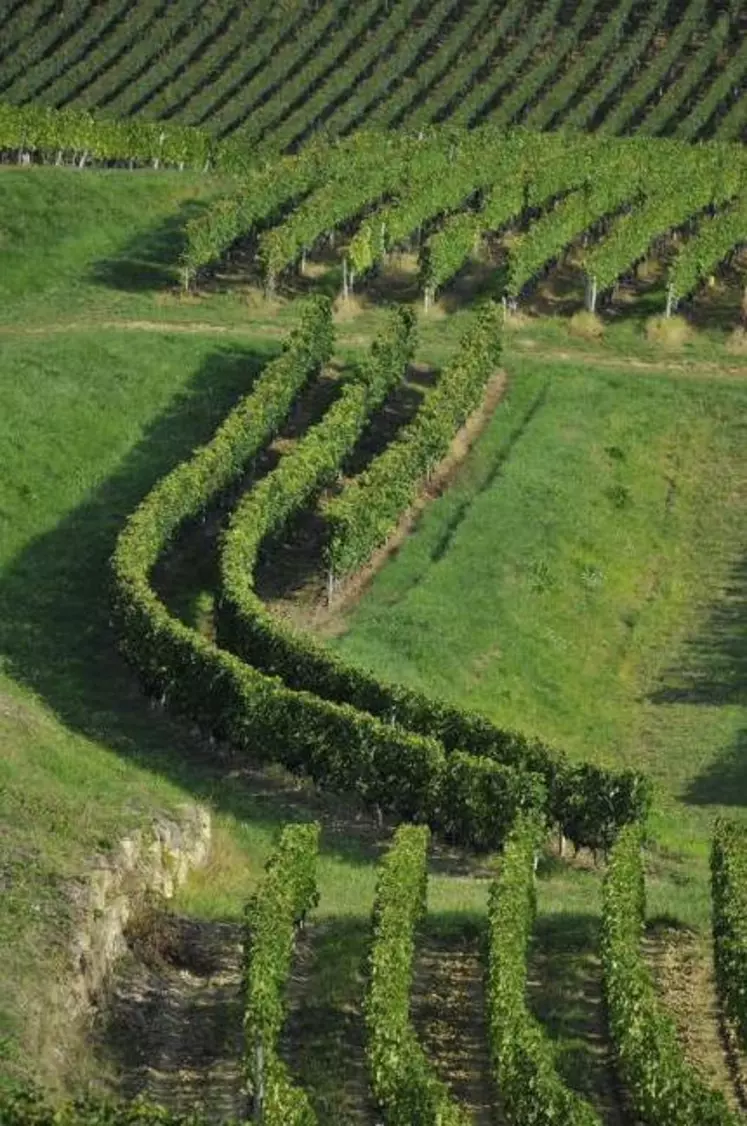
(663, 1088)
(729, 901)
(389, 766)
(403, 1081)
(336, 745)
(285, 894)
(366, 512)
(588, 803)
(532, 1092)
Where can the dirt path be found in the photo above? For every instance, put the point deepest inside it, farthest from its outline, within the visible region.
(565, 992)
(323, 1039)
(690, 369)
(682, 966)
(172, 1026)
(448, 1011)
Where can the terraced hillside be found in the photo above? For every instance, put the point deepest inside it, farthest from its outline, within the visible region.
(275, 73)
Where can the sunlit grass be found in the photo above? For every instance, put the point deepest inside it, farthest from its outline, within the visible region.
(556, 586)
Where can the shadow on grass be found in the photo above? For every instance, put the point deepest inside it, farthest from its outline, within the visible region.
(324, 1037)
(724, 781)
(151, 259)
(56, 636)
(712, 673)
(713, 667)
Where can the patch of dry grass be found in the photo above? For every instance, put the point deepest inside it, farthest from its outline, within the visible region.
(349, 308)
(586, 325)
(668, 332)
(737, 342)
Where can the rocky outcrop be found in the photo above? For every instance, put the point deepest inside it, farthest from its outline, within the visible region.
(154, 860)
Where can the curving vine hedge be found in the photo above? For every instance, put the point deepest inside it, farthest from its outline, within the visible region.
(335, 745)
(455, 770)
(479, 797)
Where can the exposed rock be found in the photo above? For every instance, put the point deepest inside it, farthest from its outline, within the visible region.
(151, 861)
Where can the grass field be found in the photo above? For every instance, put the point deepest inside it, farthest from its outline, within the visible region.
(583, 579)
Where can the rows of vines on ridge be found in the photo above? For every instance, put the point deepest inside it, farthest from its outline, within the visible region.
(271, 77)
(277, 73)
(446, 194)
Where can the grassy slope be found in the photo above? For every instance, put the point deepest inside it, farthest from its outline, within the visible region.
(93, 415)
(573, 583)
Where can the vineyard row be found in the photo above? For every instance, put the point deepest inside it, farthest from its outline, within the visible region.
(278, 74)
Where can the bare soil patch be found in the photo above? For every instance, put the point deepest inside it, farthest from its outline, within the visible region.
(171, 1024)
(682, 966)
(448, 1011)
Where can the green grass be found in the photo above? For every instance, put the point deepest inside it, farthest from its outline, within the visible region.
(92, 416)
(575, 583)
(558, 585)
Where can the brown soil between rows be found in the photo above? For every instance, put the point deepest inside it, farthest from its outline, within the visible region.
(681, 962)
(448, 1012)
(323, 1040)
(170, 1028)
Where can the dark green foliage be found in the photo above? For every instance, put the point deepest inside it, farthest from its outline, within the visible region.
(22, 1105)
(337, 746)
(284, 896)
(532, 1092)
(663, 1088)
(402, 1079)
(366, 512)
(589, 803)
(729, 891)
(481, 800)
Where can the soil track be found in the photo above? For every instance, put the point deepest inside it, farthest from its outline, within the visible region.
(323, 1038)
(448, 1011)
(689, 369)
(171, 1028)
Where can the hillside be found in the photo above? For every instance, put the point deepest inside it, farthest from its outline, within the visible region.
(109, 378)
(276, 73)
(373, 406)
